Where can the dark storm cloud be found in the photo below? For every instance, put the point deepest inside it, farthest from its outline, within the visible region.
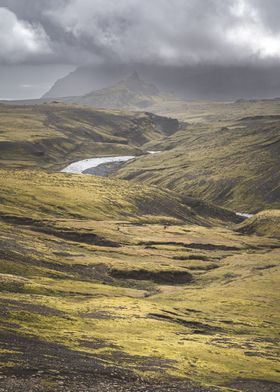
(198, 48)
(178, 32)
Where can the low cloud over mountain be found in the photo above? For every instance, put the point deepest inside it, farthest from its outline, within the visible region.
(185, 34)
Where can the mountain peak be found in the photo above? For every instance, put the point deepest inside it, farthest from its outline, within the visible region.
(138, 86)
(129, 92)
(134, 76)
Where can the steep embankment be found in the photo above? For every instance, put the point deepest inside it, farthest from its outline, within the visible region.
(264, 223)
(236, 165)
(53, 135)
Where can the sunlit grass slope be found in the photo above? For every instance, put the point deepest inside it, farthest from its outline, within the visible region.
(39, 195)
(105, 277)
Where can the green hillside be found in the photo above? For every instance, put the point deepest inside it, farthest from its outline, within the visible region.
(264, 223)
(142, 285)
(233, 164)
(109, 283)
(52, 135)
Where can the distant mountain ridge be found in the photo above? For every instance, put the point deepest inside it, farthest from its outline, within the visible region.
(85, 79)
(193, 83)
(131, 91)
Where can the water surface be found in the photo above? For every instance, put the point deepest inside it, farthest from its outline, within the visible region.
(80, 166)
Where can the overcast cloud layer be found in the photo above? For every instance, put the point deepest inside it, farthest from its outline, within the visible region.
(176, 32)
(215, 37)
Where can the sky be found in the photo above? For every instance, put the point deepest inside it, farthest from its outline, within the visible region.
(43, 40)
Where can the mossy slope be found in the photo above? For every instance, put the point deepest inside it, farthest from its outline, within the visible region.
(264, 223)
(92, 284)
(231, 164)
(35, 195)
(52, 135)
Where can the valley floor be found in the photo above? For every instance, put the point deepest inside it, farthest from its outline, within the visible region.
(113, 285)
(141, 303)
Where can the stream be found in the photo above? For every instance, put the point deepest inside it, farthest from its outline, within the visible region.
(244, 215)
(101, 167)
(81, 166)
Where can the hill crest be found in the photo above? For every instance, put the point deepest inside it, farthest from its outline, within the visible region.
(131, 92)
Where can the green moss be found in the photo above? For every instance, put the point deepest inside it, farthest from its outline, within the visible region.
(212, 330)
(59, 288)
(53, 135)
(234, 167)
(264, 223)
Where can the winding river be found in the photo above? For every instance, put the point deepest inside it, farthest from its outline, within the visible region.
(80, 167)
(244, 215)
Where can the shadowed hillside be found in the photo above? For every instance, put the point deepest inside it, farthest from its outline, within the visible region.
(264, 223)
(131, 92)
(51, 135)
(233, 163)
(195, 82)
